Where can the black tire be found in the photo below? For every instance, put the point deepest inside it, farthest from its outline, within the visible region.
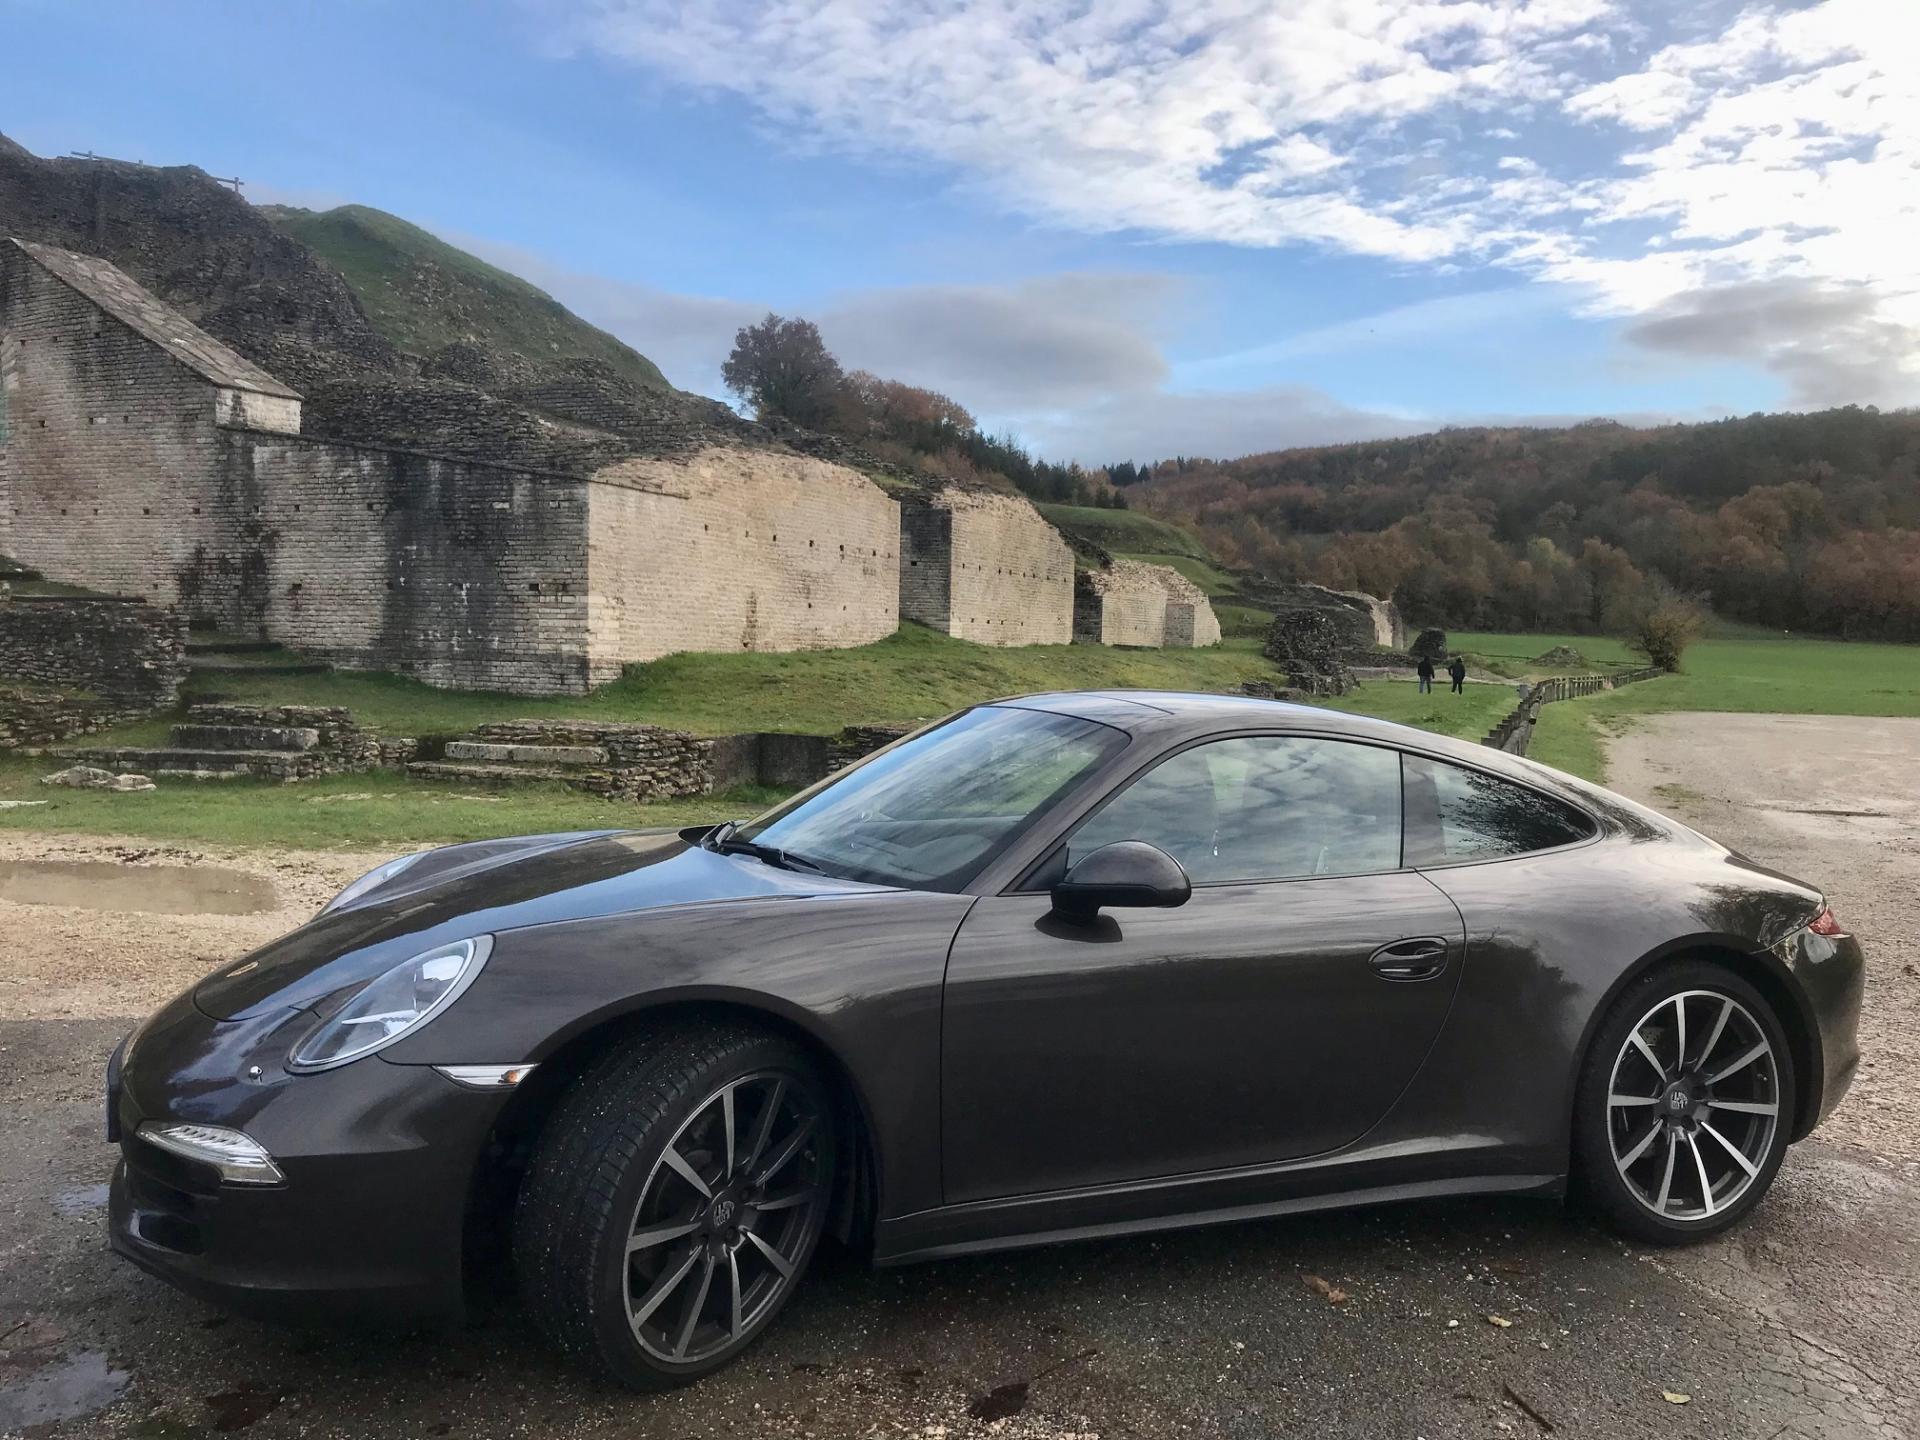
(601, 1162)
(1606, 1131)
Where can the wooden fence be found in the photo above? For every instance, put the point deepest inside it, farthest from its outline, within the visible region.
(1515, 732)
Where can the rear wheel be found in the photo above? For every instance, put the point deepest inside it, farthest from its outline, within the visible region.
(1684, 1104)
(674, 1201)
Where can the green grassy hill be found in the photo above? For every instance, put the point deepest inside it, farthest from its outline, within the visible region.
(1126, 532)
(422, 293)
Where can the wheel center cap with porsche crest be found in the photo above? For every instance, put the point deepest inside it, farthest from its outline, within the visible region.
(723, 1211)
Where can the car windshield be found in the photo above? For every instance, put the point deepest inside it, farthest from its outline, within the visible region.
(929, 812)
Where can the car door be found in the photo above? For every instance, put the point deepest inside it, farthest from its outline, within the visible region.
(1277, 1014)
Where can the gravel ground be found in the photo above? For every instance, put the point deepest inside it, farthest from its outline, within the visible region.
(1834, 799)
(1803, 1323)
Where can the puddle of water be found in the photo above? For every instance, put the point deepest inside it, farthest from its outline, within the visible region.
(71, 1386)
(83, 1201)
(161, 889)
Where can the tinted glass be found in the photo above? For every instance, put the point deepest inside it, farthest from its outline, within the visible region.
(928, 813)
(1477, 817)
(1261, 808)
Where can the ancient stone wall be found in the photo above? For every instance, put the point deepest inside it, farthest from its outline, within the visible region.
(1364, 622)
(1190, 617)
(127, 652)
(461, 574)
(984, 566)
(106, 474)
(736, 549)
(1125, 604)
(73, 666)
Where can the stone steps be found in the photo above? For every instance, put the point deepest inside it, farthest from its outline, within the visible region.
(290, 738)
(176, 760)
(495, 752)
(480, 773)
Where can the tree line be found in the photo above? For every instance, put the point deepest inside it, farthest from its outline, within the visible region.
(1797, 522)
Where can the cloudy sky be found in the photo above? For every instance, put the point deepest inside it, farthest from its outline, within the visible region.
(1117, 227)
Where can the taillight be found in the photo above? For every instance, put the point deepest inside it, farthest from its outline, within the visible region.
(1828, 924)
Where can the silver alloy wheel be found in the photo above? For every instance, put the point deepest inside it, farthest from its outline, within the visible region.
(731, 1208)
(1693, 1105)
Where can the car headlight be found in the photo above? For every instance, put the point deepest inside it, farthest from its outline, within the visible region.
(383, 1010)
(379, 875)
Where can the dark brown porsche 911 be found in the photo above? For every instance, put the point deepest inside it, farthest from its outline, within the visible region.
(1058, 966)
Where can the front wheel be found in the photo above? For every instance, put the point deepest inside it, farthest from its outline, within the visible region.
(1684, 1104)
(674, 1201)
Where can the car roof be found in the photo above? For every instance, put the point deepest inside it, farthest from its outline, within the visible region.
(1183, 714)
(1137, 710)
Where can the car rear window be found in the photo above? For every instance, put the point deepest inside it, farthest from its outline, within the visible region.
(1457, 814)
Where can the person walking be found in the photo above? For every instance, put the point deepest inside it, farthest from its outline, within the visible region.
(1457, 668)
(1425, 671)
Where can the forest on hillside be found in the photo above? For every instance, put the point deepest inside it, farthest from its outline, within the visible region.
(1797, 522)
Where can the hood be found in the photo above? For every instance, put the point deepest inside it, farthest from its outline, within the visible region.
(543, 880)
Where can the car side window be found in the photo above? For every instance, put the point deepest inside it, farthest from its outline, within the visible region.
(1456, 814)
(1261, 807)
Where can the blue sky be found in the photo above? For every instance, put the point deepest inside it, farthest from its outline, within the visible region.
(1125, 228)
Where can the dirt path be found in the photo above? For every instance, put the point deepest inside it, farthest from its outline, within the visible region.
(1834, 799)
(99, 926)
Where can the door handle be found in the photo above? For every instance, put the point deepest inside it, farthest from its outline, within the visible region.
(1420, 958)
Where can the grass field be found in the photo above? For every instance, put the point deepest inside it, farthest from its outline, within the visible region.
(380, 811)
(1737, 672)
(1126, 532)
(914, 674)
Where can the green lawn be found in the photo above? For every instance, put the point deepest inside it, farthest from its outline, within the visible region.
(917, 674)
(379, 811)
(914, 674)
(1744, 672)
(1468, 715)
(1126, 532)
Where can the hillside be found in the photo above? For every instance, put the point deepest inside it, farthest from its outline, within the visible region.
(444, 354)
(423, 294)
(1801, 522)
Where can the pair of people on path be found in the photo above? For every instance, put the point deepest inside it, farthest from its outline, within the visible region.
(1456, 670)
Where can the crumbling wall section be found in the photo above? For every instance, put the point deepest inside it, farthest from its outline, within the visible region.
(1190, 618)
(732, 549)
(1009, 574)
(1124, 604)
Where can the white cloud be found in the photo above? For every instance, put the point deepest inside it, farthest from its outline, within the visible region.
(1015, 349)
(1776, 142)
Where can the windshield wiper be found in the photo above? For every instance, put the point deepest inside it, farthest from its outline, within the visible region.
(722, 841)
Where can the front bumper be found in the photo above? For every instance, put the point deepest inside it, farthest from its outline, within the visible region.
(378, 1160)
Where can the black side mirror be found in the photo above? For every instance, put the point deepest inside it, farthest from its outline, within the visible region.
(1129, 873)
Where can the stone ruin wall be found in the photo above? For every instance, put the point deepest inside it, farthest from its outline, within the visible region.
(732, 550)
(985, 566)
(1125, 604)
(75, 665)
(460, 574)
(118, 474)
(106, 471)
(1190, 618)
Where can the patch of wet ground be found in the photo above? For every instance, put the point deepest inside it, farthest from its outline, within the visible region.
(156, 889)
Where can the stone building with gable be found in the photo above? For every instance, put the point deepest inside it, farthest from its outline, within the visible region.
(141, 456)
